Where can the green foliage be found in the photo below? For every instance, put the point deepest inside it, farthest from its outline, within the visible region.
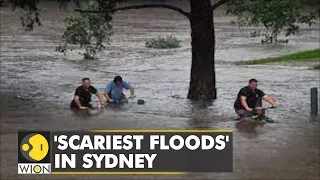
(30, 5)
(316, 67)
(31, 15)
(167, 42)
(275, 15)
(89, 30)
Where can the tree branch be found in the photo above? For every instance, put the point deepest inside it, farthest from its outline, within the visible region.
(138, 7)
(216, 5)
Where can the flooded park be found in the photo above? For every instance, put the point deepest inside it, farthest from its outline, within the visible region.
(38, 83)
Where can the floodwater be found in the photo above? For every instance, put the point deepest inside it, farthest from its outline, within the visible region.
(37, 85)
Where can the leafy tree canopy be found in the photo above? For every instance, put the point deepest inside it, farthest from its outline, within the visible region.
(275, 15)
(90, 30)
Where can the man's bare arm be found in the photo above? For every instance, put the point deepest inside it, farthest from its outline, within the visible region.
(269, 100)
(132, 92)
(244, 103)
(108, 97)
(101, 98)
(77, 101)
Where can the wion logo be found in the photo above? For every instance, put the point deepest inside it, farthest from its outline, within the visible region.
(34, 153)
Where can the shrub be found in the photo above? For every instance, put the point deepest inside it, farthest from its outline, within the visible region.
(167, 42)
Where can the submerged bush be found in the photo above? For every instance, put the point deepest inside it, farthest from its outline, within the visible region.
(167, 42)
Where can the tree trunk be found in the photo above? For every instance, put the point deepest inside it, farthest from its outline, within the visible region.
(202, 80)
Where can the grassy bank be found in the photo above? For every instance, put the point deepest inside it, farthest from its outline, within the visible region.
(295, 57)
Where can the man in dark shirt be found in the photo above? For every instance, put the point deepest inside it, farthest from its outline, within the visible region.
(82, 96)
(249, 100)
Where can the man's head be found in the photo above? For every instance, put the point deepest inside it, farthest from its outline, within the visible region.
(86, 82)
(253, 83)
(117, 80)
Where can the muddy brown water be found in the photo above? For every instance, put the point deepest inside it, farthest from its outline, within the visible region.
(37, 84)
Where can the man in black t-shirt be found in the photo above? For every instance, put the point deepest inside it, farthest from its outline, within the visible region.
(249, 100)
(82, 96)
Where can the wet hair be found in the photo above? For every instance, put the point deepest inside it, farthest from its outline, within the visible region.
(85, 79)
(252, 80)
(117, 78)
